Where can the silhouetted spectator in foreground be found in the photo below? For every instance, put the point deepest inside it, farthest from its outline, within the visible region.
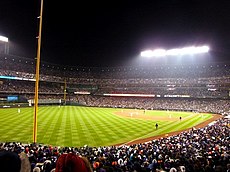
(9, 162)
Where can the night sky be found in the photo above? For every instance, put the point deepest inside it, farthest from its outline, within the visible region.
(113, 33)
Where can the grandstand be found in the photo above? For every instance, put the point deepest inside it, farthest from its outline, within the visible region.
(193, 88)
(204, 83)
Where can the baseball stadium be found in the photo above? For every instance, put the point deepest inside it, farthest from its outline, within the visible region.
(155, 117)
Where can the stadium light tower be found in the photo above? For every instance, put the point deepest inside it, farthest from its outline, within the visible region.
(37, 77)
(175, 52)
(5, 41)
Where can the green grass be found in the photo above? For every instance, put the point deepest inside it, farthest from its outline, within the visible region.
(79, 126)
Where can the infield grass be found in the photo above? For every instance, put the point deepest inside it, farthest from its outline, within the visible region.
(78, 126)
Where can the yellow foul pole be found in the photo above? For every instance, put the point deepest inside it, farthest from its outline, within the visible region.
(65, 91)
(37, 76)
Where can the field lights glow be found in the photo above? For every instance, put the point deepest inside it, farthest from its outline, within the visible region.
(175, 52)
(3, 38)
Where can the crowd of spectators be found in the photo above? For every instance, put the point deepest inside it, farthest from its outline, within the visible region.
(197, 81)
(27, 87)
(27, 65)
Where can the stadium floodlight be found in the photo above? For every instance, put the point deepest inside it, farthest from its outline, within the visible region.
(3, 38)
(159, 52)
(146, 53)
(175, 52)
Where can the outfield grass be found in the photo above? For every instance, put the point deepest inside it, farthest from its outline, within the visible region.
(79, 126)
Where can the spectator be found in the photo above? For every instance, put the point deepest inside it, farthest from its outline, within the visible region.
(70, 162)
(9, 162)
(25, 163)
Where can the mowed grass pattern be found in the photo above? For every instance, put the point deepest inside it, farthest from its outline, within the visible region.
(78, 126)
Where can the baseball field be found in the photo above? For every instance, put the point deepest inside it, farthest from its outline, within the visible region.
(93, 126)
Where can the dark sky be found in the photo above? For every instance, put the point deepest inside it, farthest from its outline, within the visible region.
(109, 33)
